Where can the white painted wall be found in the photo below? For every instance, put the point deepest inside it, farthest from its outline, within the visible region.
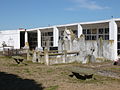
(11, 38)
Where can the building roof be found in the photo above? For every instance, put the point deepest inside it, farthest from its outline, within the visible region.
(72, 24)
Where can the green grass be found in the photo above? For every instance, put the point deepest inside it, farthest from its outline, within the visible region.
(50, 70)
(18, 71)
(5, 57)
(29, 62)
(53, 87)
(27, 71)
(14, 65)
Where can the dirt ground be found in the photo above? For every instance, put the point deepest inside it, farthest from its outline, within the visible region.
(34, 76)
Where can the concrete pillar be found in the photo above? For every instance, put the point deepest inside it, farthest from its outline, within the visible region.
(26, 37)
(28, 55)
(18, 41)
(38, 56)
(113, 36)
(46, 56)
(79, 30)
(55, 36)
(64, 56)
(39, 38)
(26, 41)
(34, 56)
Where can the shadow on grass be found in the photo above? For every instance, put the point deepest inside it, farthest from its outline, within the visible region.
(82, 77)
(14, 82)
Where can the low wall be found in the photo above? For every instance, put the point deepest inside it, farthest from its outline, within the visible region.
(61, 59)
(80, 51)
(50, 58)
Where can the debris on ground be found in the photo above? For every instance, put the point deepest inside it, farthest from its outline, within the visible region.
(18, 59)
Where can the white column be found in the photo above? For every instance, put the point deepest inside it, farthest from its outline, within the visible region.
(39, 38)
(55, 36)
(79, 30)
(26, 37)
(113, 36)
(17, 45)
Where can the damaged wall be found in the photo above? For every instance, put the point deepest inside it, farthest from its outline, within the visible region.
(88, 48)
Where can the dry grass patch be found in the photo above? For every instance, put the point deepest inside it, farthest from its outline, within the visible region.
(56, 77)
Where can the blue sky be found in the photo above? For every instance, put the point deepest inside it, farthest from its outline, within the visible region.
(15, 14)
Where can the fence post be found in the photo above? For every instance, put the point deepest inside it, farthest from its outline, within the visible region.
(34, 56)
(46, 56)
(38, 56)
(64, 56)
(28, 55)
(3, 51)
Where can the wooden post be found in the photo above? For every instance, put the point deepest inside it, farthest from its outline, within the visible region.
(46, 56)
(65, 56)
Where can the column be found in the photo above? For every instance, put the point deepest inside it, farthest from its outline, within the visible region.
(55, 36)
(79, 30)
(113, 36)
(17, 45)
(26, 38)
(46, 55)
(39, 38)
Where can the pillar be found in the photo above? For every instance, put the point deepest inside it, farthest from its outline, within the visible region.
(46, 56)
(113, 36)
(18, 41)
(26, 38)
(79, 30)
(65, 56)
(55, 36)
(34, 57)
(39, 38)
(28, 55)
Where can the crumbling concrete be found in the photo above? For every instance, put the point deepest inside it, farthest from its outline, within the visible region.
(72, 49)
(88, 50)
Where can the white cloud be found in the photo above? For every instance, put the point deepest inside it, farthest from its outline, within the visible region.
(88, 4)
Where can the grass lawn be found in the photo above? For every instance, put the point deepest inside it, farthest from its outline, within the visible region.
(35, 76)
